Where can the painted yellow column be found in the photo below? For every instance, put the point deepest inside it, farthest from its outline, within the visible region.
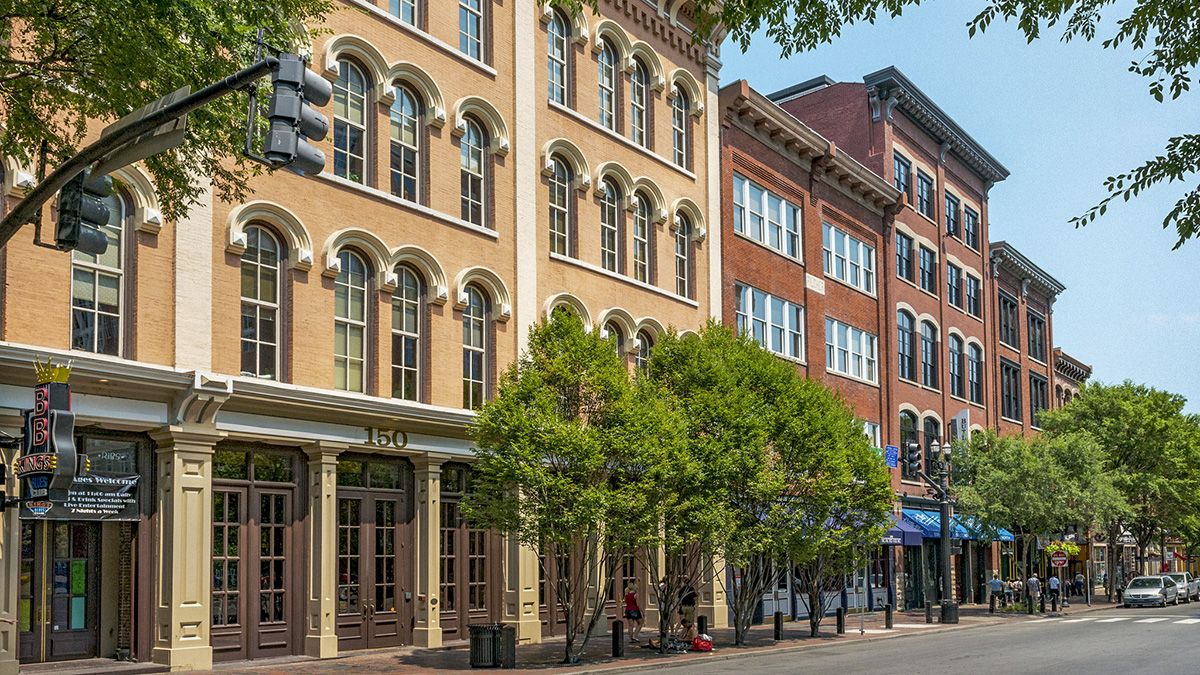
(10, 573)
(649, 594)
(521, 606)
(320, 639)
(427, 627)
(183, 603)
(711, 601)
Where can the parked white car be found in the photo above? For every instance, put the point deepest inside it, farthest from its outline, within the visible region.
(1157, 590)
(1186, 580)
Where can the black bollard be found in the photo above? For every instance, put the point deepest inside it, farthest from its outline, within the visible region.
(1042, 604)
(1054, 603)
(887, 616)
(778, 626)
(702, 624)
(841, 621)
(992, 604)
(618, 637)
(928, 611)
(1029, 603)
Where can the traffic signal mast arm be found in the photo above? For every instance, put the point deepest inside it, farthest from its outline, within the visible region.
(28, 207)
(933, 484)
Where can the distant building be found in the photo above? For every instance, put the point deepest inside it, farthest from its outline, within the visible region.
(1069, 375)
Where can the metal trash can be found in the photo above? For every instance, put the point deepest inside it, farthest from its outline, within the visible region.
(486, 644)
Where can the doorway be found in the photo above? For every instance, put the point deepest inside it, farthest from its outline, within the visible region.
(60, 591)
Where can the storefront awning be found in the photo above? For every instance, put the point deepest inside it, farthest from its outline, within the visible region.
(973, 526)
(930, 524)
(901, 534)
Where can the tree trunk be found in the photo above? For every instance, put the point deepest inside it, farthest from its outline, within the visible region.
(816, 611)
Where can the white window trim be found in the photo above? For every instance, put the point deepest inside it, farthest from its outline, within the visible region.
(764, 209)
(749, 318)
(866, 257)
(858, 337)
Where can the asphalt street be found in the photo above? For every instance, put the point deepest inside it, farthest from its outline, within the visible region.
(1117, 642)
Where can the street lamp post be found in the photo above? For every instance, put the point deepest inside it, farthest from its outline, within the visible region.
(949, 605)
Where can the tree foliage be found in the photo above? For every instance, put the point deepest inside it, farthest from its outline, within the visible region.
(66, 62)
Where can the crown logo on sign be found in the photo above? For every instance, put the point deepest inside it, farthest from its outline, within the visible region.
(49, 372)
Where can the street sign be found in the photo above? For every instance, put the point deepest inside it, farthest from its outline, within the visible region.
(161, 139)
(891, 455)
(1059, 558)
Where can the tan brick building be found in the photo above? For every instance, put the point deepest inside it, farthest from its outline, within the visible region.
(289, 379)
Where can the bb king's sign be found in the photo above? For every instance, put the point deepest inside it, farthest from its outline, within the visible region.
(46, 466)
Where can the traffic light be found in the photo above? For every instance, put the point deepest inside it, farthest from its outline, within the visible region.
(912, 456)
(293, 120)
(82, 212)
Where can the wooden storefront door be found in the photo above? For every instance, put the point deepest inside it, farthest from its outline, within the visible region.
(472, 579)
(60, 595)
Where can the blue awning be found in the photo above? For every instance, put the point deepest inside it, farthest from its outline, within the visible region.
(901, 534)
(1005, 535)
(962, 527)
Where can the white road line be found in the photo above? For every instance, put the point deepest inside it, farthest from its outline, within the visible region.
(1161, 618)
(1041, 620)
(1091, 618)
(877, 631)
(1115, 619)
(1188, 621)
(914, 625)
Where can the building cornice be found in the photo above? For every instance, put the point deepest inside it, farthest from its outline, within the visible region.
(1070, 367)
(1009, 258)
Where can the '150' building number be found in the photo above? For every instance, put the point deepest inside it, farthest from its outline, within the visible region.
(387, 438)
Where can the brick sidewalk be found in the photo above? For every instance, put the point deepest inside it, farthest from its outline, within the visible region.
(546, 658)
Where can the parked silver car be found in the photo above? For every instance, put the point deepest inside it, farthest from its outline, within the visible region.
(1186, 580)
(1151, 591)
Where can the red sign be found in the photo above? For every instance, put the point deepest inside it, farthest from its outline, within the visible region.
(1058, 558)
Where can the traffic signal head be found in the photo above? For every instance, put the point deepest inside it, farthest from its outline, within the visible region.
(912, 456)
(293, 122)
(82, 212)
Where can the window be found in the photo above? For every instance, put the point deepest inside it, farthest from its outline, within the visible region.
(908, 434)
(925, 194)
(905, 350)
(954, 285)
(1010, 331)
(474, 348)
(405, 10)
(641, 357)
(973, 295)
(639, 93)
(956, 366)
(560, 210)
(97, 285)
(683, 256)
(929, 354)
(848, 259)
(349, 123)
(774, 323)
(929, 270)
(406, 335)
(1010, 390)
(871, 431)
(933, 433)
(260, 304)
(350, 323)
(1037, 398)
(953, 225)
(470, 28)
(610, 217)
(607, 78)
(641, 238)
(405, 114)
(471, 163)
(971, 228)
(849, 351)
(975, 373)
(904, 257)
(902, 170)
(679, 128)
(1037, 337)
(617, 337)
(556, 57)
(766, 217)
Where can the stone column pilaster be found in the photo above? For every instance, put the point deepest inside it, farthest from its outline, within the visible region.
(183, 601)
(650, 607)
(10, 573)
(427, 627)
(521, 607)
(320, 639)
(711, 601)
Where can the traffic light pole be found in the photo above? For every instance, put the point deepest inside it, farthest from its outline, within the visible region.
(949, 608)
(27, 208)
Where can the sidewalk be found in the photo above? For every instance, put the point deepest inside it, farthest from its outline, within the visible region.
(546, 658)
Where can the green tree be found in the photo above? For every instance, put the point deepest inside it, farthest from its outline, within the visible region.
(555, 447)
(64, 63)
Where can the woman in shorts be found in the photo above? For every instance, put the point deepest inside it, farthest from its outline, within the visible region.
(633, 612)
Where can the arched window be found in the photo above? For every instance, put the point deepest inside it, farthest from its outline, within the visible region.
(683, 256)
(642, 356)
(350, 324)
(607, 78)
(956, 366)
(975, 373)
(610, 219)
(557, 38)
(560, 209)
(679, 127)
(642, 269)
(908, 434)
(406, 335)
(929, 359)
(474, 348)
(260, 304)
(98, 288)
(933, 433)
(904, 351)
(639, 94)
(406, 144)
(471, 155)
(350, 123)
(617, 337)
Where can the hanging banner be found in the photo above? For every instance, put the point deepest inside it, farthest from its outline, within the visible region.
(91, 497)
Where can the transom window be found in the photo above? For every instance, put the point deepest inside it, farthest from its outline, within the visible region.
(905, 349)
(560, 209)
(774, 323)
(405, 155)
(350, 323)
(639, 87)
(556, 58)
(925, 194)
(929, 354)
(406, 335)
(607, 77)
(474, 348)
(766, 217)
(610, 218)
(641, 238)
(97, 286)
(679, 127)
(470, 28)
(683, 256)
(471, 169)
(349, 123)
(850, 351)
(904, 257)
(260, 304)
(849, 259)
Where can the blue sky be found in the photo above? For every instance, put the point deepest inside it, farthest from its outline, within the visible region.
(1061, 117)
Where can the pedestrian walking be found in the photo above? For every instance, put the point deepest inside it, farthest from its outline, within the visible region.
(1052, 583)
(1033, 587)
(1079, 581)
(996, 586)
(1008, 592)
(1018, 590)
(633, 612)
